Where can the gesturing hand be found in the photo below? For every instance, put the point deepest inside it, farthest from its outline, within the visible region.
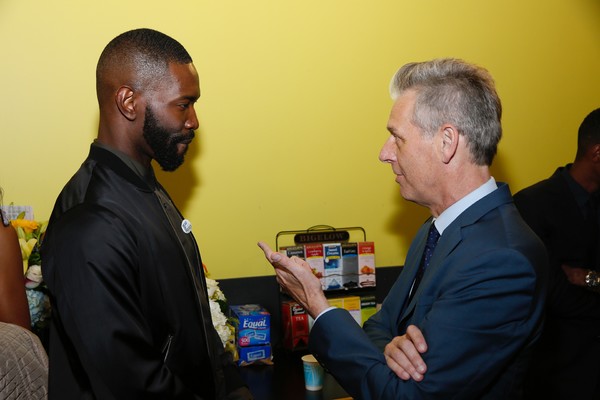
(298, 280)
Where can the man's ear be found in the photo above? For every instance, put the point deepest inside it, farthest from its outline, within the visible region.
(450, 138)
(126, 104)
(595, 151)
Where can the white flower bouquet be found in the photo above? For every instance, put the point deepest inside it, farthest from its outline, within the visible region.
(224, 325)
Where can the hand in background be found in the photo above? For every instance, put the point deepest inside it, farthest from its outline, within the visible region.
(575, 275)
(403, 354)
(297, 279)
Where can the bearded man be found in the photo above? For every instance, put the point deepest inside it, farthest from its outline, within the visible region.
(131, 317)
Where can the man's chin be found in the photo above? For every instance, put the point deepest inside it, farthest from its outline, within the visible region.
(170, 165)
(182, 147)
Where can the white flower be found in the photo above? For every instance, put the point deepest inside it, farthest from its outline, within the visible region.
(33, 276)
(218, 317)
(214, 292)
(219, 322)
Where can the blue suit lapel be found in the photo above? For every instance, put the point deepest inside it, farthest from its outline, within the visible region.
(402, 287)
(451, 237)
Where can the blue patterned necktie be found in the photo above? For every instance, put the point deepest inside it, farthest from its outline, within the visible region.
(432, 239)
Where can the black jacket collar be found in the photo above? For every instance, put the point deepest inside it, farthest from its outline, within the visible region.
(107, 158)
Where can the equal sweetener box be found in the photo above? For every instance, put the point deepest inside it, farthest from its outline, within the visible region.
(254, 354)
(254, 325)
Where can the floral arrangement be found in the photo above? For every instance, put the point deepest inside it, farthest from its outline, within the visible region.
(225, 326)
(31, 234)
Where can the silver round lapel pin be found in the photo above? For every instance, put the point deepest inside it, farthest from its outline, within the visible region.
(186, 226)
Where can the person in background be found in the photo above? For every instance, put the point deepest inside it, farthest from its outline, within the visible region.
(131, 317)
(23, 364)
(14, 308)
(466, 311)
(563, 212)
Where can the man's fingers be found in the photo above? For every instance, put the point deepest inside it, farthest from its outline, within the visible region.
(403, 358)
(416, 337)
(397, 368)
(265, 248)
(269, 254)
(403, 354)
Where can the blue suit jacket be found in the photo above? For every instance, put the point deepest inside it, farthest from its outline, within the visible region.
(479, 307)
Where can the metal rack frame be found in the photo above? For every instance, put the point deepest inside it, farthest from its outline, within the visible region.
(319, 228)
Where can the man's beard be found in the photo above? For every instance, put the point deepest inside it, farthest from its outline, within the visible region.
(163, 143)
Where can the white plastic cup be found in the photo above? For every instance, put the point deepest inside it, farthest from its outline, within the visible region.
(313, 373)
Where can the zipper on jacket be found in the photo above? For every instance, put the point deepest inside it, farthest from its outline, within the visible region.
(166, 347)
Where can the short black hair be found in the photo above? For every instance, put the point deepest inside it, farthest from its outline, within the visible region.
(144, 53)
(589, 132)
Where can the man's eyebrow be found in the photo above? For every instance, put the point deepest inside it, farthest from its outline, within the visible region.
(190, 98)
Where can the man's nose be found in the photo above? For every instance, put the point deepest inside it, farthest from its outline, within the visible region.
(192, 121)
(387, 153)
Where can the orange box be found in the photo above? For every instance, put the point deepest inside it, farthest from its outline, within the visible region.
(366, 264)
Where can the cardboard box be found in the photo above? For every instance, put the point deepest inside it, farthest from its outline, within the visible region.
(296, 325)
(314, 257)
(254, 354)
(366, 264)
(254, 326)
(336, 302)
(368, 307)
(293, 251)
(332, 252)
(350, 265)
(350, 303)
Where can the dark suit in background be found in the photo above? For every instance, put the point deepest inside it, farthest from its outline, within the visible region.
(567, 363)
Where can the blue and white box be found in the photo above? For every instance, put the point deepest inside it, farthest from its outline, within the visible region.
(254, 354)
(254, 328)
(332, 252)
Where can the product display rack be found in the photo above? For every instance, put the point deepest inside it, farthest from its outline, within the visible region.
(352, 291)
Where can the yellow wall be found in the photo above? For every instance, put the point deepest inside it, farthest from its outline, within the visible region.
(294, 104)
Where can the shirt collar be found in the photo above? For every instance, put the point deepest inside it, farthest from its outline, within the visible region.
(146, 174)
(452, 212)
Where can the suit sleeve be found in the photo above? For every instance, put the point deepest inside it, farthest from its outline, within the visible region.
(346, 351)
(475, 325)
(94, 280)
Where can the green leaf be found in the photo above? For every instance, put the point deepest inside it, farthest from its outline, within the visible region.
(35, 259)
